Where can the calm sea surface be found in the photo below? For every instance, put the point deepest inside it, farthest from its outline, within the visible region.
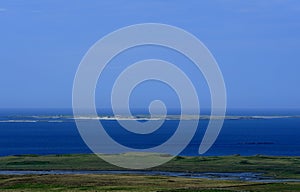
(59, 135)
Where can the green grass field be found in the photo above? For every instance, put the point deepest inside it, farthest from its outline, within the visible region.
(131, 183)
(277, 167)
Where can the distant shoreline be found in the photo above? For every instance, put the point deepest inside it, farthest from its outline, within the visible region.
(53, 118)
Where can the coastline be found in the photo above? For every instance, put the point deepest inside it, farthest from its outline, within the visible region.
(279, 167)
(222, 174)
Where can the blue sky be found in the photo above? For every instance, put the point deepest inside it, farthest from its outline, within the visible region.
(256, 44)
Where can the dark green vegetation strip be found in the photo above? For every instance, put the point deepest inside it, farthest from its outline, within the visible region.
(278, 167)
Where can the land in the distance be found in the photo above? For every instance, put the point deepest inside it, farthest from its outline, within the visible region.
(275, 167)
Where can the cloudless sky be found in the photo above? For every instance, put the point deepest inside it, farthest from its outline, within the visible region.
(256, 44)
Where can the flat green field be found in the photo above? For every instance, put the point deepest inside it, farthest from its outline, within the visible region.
(131, 183)
(277, 167)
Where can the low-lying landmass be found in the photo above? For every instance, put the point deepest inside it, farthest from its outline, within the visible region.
(132, 183)
(271, 166)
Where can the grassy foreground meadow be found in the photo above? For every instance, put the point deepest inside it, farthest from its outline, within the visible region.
(132, 183)
(276, 167)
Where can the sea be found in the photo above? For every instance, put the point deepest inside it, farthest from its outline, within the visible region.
(45, 132)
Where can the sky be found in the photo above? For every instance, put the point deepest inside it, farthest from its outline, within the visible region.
(256, 44)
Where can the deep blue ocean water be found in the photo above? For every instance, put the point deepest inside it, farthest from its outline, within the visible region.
(244, 136)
